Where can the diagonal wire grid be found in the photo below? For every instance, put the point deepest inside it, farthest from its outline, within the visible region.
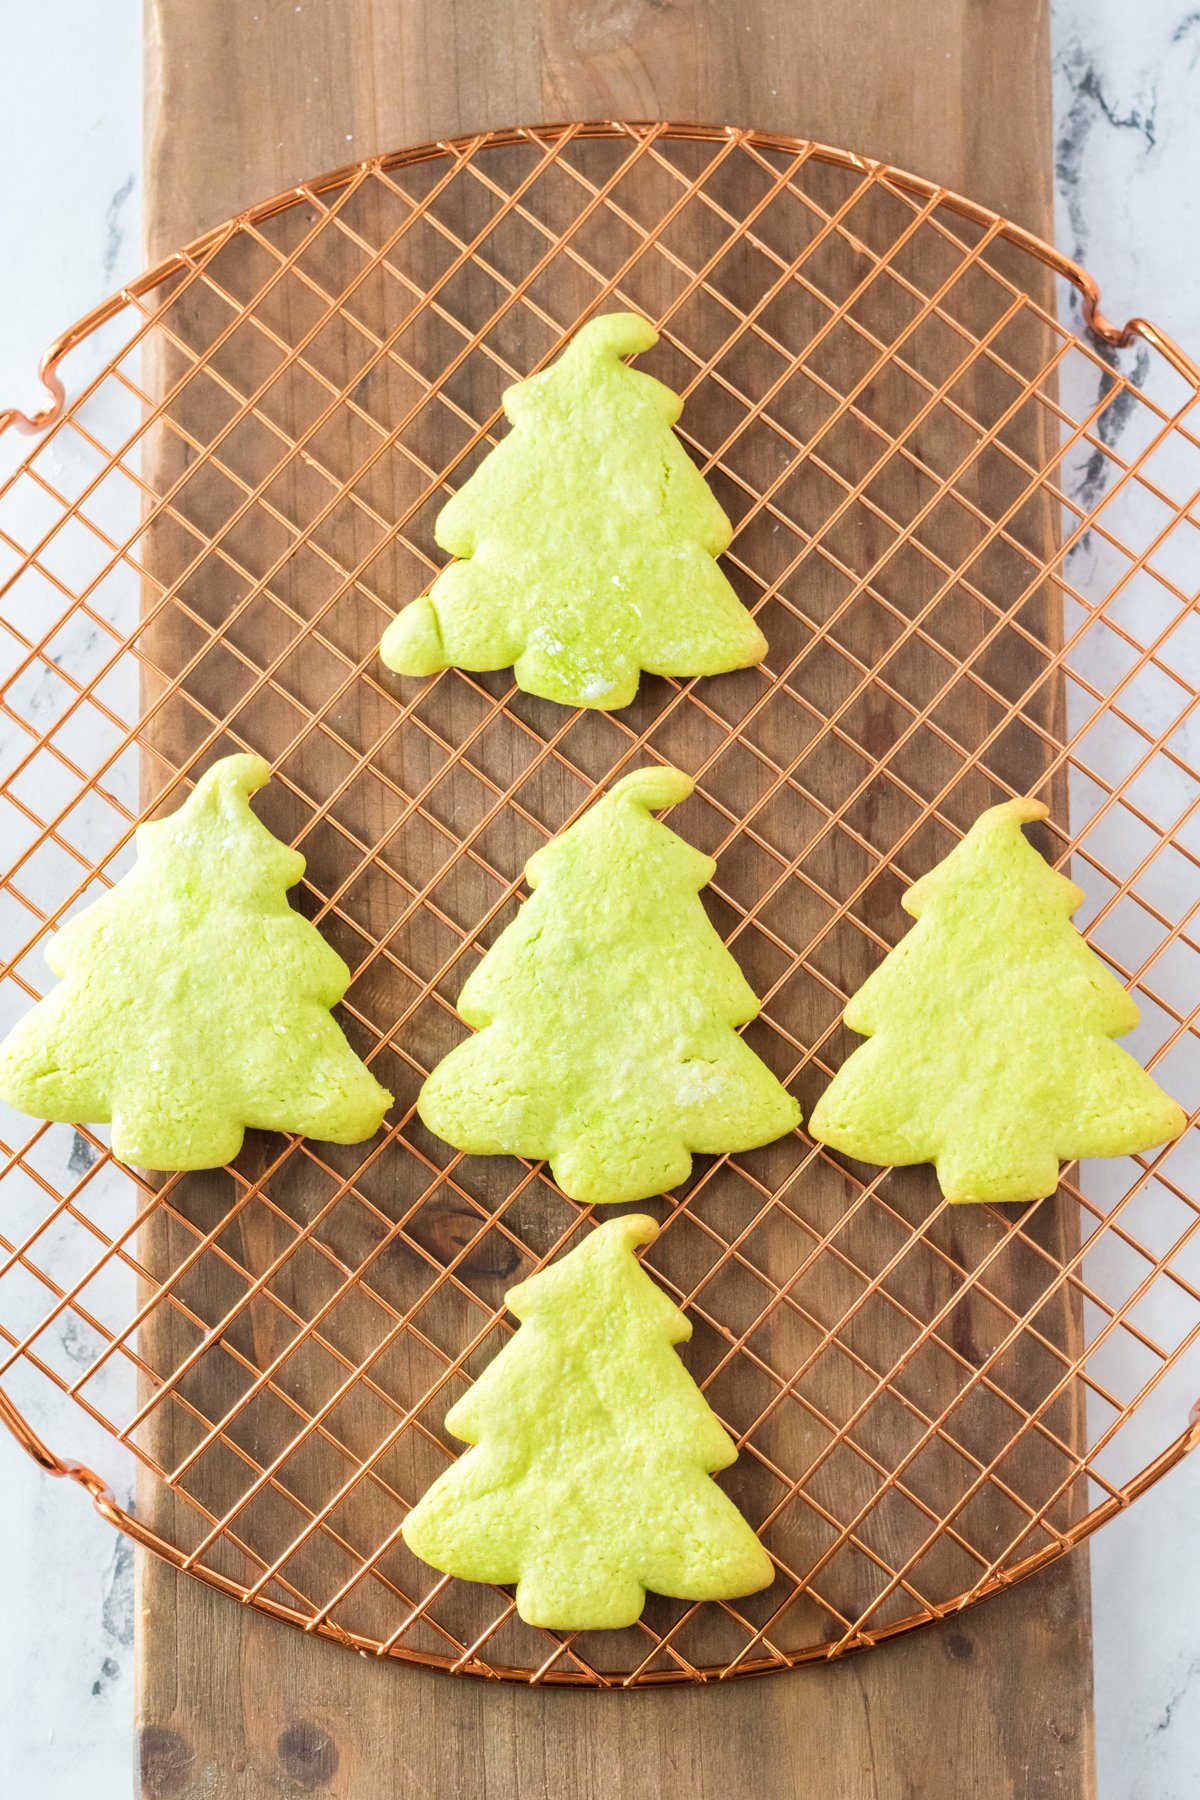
(970, 537)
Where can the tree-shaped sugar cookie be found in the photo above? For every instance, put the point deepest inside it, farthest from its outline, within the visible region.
(590, 1476)
(606, 1015)
(194, 1002)
(587, 542)
(991, 1028)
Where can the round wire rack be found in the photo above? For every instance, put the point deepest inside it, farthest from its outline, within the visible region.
(970, 533)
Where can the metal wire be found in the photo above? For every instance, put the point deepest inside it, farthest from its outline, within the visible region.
(972, 586)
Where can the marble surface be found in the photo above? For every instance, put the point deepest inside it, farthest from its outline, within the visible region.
(1126, 85)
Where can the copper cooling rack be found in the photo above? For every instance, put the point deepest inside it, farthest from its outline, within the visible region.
(970, 533)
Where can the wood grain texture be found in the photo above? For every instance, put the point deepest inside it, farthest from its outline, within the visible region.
(246, 96)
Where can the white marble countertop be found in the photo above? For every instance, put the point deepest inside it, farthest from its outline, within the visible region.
(1127, 87)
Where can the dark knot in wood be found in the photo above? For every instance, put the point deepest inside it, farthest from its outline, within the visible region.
(165, 1761)
(445, 1231)
(308, 1754)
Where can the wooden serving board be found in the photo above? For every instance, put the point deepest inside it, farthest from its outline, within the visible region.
(245, 97)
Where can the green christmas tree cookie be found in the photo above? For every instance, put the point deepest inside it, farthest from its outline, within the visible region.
(991, 1028)
(588, 542)
(606, 1015)
(194, 1002)
(589, 1477)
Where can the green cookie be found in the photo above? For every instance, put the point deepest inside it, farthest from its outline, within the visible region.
(589, 1478)
(606, 1015)
(587, 540)
(991, 1028)
(194, 1001)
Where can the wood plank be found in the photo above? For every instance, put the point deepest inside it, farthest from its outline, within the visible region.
(243, 101)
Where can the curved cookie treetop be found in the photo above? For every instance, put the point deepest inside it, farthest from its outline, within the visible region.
(194, 1001)
(589, 1480)
(606, 1015)
(991, 1028)
(588, 542)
